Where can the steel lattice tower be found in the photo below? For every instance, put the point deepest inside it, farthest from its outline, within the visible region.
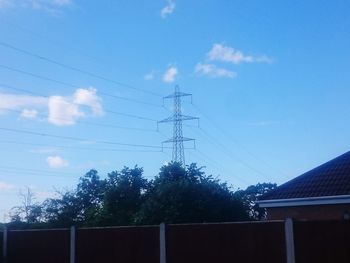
(177, 118)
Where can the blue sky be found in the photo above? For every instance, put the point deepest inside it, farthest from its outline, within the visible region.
(270, 83)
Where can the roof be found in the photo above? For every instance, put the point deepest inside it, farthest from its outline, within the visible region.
(329, 179)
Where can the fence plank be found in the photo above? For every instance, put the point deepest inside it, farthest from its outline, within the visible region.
(39, 246)
(322, 241)
(248, 242)
(118, 244)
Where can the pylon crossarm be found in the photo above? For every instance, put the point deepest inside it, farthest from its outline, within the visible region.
(177, 94)
(178, 140)
(179, 118)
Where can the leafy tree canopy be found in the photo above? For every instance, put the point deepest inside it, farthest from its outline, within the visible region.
(125, 197)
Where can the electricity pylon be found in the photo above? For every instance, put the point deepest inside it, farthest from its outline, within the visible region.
(177, 118)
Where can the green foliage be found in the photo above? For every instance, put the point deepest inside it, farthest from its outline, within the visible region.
(179, 195)
(123, 196)
(81, 206)
(175, 195)
(251, 195)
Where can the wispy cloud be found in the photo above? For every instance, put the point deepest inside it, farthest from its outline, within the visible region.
(44, 150)
(168, 9)
(214, 71)
(43, 195)
(29, 114)
(56, 162)
(15, 101)
(62, 110)
(62, 2)
(149, 76)
(4, 3)
(170, 74)
(51, 6)
(6, 187)
(223, 53)
(262, 123)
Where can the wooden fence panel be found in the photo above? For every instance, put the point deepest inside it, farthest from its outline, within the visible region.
(1, 245)
(39, 246)
(322, 241)
(232, 242)
(120, 244)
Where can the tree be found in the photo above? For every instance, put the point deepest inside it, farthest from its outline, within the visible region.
(29, 211)
(187, 195)
(252, 194)
(176, 195)
(81, 206)
(123, 196)
(62, 211)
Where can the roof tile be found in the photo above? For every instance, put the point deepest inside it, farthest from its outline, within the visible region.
(329, 179)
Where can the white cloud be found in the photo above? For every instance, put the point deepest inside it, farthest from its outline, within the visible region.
(29, 114)
(67, 110)
(62, 2)
(4, 3)
(44, 150)
(149, 76)
(6, 187)
(214, 71)
(170, 74)
(51, 6)
(223, 53)
(62, 110)
(56, 161)
(14, 101)
(168, 9)
(89, 98)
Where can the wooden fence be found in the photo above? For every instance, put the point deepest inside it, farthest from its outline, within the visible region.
(248, 242)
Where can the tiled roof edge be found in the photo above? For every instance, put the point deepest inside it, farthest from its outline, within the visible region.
(322, 200)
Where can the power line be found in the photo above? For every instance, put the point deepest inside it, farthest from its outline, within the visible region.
(34, 173)
(56, 42)
(206, 157)
(230, 154)
(74, 86)
(45, 173)
(55, 62)
(214, 124)
(105, 110)
(76, 147)
(77, 138)
(86, 122)
(33, 170)
(130, 115)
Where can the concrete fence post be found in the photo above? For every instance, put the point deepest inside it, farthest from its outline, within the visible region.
(162, 243)
(289, 233)
(4, 245)
(72, 244)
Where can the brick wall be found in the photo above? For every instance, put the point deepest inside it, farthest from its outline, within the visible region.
(316, 212)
